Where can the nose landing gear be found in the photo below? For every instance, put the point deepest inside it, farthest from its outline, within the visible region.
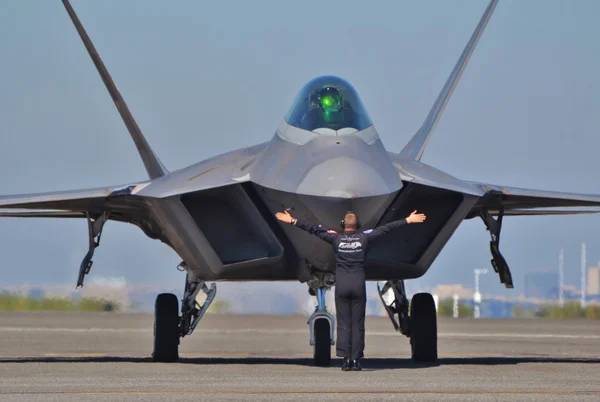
(321, 323)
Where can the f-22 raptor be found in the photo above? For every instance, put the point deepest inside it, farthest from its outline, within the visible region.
(324, 159)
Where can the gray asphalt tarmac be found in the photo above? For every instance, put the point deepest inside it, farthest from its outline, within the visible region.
(106, 357)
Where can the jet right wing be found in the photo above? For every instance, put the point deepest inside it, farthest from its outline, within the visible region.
(84, 200)
(43, 214)
(97, 205)
(117, 203)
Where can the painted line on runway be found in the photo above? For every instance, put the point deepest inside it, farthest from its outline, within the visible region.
(75, 355)
(311, 392)
(515, 335)
(243, 355)
(299, 331)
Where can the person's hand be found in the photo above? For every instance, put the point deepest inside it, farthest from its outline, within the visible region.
(284, 216)
(415, 218)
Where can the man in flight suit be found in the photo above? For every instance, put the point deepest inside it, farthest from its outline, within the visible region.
(350, 248)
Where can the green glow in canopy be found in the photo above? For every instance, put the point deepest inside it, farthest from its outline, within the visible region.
(330, 100)
(327, 102)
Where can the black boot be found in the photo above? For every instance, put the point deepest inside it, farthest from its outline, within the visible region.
(356, 365)
(347, 364)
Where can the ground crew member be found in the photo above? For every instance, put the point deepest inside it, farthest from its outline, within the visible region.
(350, 248)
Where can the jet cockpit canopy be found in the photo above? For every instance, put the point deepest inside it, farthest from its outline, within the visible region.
(328, 102)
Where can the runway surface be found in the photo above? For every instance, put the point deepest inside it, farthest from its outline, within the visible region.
(106, 357)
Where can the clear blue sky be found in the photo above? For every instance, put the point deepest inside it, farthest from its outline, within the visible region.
(204, 77)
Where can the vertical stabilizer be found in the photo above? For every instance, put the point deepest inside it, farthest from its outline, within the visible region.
(153, 165)
(415, 147)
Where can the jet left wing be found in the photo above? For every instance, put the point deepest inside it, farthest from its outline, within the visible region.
(522, 201)
(500, 201)
(536, 212)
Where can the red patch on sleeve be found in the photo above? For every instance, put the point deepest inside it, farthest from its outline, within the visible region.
(331, 231)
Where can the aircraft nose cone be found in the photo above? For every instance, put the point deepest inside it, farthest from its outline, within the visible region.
(344, 177)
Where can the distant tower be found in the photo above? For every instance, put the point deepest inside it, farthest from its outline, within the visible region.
(561, 276)
(583, 264)
(477, 295)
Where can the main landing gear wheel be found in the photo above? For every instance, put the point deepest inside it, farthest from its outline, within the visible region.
(322, 348)
(166, 328)
(423, 336)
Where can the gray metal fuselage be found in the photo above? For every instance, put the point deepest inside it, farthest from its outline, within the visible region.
(230, 232)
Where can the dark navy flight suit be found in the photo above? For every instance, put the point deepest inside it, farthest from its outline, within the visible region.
(350, 289)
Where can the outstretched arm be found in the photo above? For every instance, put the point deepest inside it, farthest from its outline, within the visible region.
(328, 235)
(384, 229)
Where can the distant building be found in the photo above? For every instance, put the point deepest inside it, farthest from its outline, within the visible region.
(542, 285)
(448, 291)
(593, 281)
(571, 292)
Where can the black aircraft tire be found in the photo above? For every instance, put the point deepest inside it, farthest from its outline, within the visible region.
(322, 351)
(166, 328)
(423, 337)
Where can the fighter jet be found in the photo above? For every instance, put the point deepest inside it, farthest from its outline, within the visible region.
(323, 159)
